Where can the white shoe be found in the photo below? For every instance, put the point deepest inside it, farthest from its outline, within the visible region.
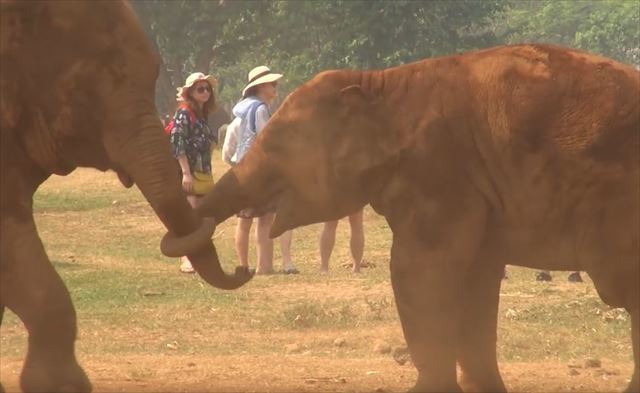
(185, 266)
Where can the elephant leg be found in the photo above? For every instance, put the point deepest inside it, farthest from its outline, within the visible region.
(33, 290)
(620, 287)
(1, 316)
(478, 329)
(634, 385)
(427, 310)
(430, 259)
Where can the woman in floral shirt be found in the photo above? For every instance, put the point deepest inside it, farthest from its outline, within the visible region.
(192, 140)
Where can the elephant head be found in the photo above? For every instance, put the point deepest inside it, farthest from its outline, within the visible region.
(78, 87)
(323, 154)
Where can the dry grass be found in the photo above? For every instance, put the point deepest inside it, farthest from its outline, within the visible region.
(145, 327)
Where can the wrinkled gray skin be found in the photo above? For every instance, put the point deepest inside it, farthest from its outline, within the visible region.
(527, 155)
(77, 90)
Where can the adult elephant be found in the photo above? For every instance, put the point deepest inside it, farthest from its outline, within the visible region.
(77, 89)
(525, 154)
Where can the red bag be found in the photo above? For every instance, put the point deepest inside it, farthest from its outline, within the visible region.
(192, 118)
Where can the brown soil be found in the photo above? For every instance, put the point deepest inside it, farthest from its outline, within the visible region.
(300, 373)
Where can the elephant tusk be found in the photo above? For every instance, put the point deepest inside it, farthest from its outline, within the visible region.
(174, 247)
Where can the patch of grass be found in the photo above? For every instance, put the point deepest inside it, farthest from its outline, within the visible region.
(311, 314)
(380, 308)
(561, 322)
(62, 201)
(116, 291)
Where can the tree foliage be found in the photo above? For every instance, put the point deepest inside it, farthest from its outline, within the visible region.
(301, 38)
(607, 27)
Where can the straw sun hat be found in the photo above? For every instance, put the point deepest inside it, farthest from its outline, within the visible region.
(260, 75)
(191, 80)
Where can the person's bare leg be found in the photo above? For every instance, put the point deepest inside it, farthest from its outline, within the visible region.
(265, 244)
(327, 241)
(185, 263)
(193, 200)
(285, 249)
(243, 229)
(634, 384)
(357, 239)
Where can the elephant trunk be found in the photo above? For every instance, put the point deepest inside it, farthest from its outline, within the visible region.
(251, 183)
(147, 159)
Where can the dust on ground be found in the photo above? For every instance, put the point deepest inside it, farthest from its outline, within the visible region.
(301, 373)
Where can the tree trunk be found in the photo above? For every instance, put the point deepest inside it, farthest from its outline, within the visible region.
(165, 92)
(203, 58)
(165, 88)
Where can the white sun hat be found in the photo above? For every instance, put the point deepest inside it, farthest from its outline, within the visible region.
(191, 80)
(260, 75)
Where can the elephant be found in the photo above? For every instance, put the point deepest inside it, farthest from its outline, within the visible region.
(526, 155)
(77, 90)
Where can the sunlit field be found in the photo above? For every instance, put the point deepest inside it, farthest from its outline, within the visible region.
(144, 326)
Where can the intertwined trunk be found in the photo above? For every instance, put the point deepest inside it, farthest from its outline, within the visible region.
(149, 162)
(251, 183)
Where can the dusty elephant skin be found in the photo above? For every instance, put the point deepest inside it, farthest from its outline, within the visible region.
(77, 89)
(527, 155)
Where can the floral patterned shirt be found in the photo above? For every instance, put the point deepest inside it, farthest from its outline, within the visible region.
(193, 139)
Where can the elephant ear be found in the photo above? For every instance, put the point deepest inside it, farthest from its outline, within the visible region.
(24, 21)
(366, 140)
(18, 24)
(345, 160)
(66, 15)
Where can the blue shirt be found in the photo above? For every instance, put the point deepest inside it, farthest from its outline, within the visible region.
(254, 115)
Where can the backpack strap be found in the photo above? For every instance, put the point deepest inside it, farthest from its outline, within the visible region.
(252, 116)
(192, 119)
(169, 127)
(192, 115)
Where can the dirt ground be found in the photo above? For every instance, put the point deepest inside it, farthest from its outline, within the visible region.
(300, 373)
(266, 371)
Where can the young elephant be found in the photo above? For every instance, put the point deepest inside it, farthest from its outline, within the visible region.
(523, 154)
(77, 89)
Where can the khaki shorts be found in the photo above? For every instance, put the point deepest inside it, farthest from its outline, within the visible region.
(253, 212)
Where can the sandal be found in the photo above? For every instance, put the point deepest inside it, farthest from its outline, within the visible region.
(290, 270)
(264, 272)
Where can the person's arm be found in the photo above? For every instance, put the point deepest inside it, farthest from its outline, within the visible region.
(230, 141)
(262, 117)
(187, 178)
(178, 147)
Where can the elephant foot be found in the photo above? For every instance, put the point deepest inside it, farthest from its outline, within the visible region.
(634, 385)
(488, 383)
(46, 377)
(423, 386)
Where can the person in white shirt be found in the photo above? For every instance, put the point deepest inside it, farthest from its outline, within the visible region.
(254, 113)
